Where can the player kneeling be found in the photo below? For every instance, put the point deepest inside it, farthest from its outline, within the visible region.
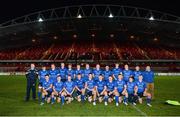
(120, 87)
(80, 86)
(100, 90)
(110, 92)
(46, 90)
(69, 88)
(89, 87)
(132, 91)
(142, 91)
(58, 91)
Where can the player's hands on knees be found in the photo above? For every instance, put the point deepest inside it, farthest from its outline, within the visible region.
(98, 94)
(145, 94)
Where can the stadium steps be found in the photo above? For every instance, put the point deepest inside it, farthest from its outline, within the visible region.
(117, 51)
(93, 49)
(63, 54)
(171, 53)
(47, 52)
(50, 57)
(56, 56)
(69, 51)
(141, 51)
(21, 53)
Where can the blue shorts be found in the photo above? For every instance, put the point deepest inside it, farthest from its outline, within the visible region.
(120, 93)
(111, 95)
(58, 91)
(67, 96)
(140, 94)
(99, 91)
(49, 93)
(78, 92)
(89, 93)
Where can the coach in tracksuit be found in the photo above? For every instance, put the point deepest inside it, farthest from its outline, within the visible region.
(149, 79)
(31, 76)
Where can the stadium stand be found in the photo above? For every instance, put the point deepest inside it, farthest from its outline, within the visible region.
(90, 50)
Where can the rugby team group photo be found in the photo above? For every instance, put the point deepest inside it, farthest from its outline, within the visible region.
(116, 85)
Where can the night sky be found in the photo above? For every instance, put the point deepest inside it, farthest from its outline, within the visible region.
(10, 9)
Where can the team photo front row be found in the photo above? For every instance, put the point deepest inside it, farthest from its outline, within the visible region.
(116, 86)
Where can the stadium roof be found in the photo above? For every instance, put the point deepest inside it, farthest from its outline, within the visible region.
(89, 11)
(82, 20)
(10, 8)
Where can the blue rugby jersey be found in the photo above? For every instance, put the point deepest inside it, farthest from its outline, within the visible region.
(130, 87)
(141, 86)
(42, 74)
(120, 85)
(116, 72)
(126, 75)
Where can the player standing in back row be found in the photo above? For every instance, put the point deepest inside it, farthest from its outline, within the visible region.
(149, 79)
(97, 71)
(126, 73)
(87, 70)
(41, 74)
(116, 71)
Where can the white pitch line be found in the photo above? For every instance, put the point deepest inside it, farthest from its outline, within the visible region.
(140, 111)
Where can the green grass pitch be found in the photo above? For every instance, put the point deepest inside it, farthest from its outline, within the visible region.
(12, 93)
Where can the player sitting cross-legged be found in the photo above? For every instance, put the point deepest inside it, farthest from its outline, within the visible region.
(142, 91)
(58, 91)
(90, 88)
(110, 90)
(132, 90)
(46, 90)
(80, 88)
(100, 90)
(69, 87)
(120, 90)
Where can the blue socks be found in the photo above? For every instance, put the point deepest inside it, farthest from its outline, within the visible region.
(82, 98)
(39, 96)
(125, 99)
(43, 99)
(148, 100)
(116, 99)
(106, 98)
(52, 100)
(62, 100)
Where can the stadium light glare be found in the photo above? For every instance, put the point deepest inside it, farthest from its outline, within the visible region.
(110, 15)
(40, 20)
(33, 40)
(151, 18)
(79, 16)
(74, 36)
(93, 35)
(155, 39)
(111, 35)
(55, 37)
(132, 36)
